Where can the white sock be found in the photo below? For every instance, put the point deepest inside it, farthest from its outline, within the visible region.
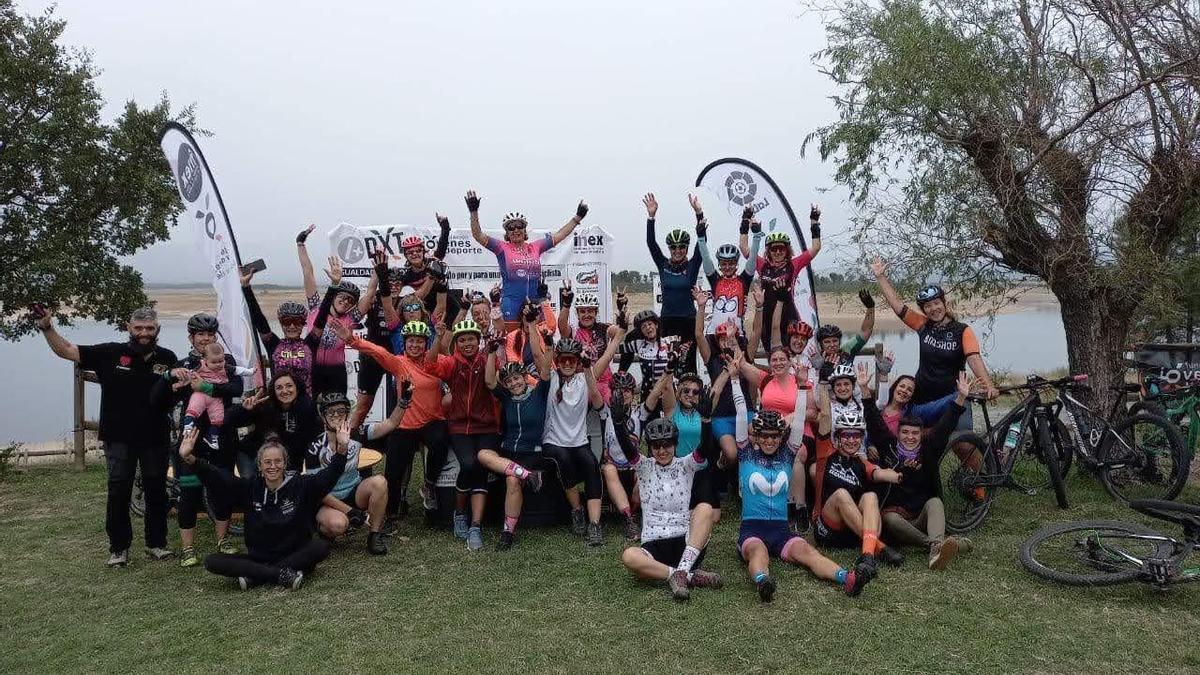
(689, 558)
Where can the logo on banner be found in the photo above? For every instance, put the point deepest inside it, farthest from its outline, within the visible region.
(590, 277)
(741, 188)
(190, 176)
(352, 250)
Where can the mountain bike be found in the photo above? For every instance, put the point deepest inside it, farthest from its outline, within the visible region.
(1180, 406)
(1107, 552)
(1134, 455)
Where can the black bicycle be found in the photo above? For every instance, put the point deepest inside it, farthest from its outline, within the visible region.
(1107, 552)
(1032, 446)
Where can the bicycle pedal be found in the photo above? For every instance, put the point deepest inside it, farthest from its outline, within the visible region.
(1017, 487)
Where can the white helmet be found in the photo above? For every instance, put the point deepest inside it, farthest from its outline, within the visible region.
(849, 420)
(587, 300)
(842, 371)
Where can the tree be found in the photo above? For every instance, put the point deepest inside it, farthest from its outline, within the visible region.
(76, 195)
(984, 142)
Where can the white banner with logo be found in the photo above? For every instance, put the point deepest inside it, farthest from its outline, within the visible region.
(732, 184)
(584, 259)
(203, 208)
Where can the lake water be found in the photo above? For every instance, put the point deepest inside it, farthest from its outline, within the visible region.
(37, 401)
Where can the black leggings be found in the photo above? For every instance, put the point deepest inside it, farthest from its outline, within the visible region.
(472, 476)
(683, 327)
(246, 565)
(402, 446)
(575, 464)
(192, 494)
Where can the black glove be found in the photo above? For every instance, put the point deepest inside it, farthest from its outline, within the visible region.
(701, 229)
(815, 230)
(581, 210)
(437, 269)
(622, 320)
(494, 295)
(622, 302)
(406, 393)
(585, 358)
(493, 344)
(530, 311)
(302, 236)
(673, 362)
(565, 297)
(618, 410)
(705, 403)
(385, 281)
(755, 226)
(798, 518)
(473, 204)
(543, 290)
(747, 214)
(444, 223)
(864, 296)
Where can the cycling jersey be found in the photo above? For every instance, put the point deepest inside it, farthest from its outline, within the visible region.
(426, 377)
(724, 405)
(524, 416)
(596, 339)
(676, 279)
(322, 455)
(729, 293)
(666, 494)
(651, 355)
(943, 354)
(688, 423)
(566, 411)
(472, 408)
(520, 271)
(631, 427)
(292, 355)
(331, 351)
(784, 275)
(764, 481)
(849, 349)
(835, 470)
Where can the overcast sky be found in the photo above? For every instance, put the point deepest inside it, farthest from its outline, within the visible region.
(385, 112)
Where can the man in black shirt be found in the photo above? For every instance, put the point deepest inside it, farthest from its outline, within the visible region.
(133, 430)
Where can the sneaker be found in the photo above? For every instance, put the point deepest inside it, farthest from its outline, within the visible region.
(703, 579)
(892, 556)
(595, 536)
(534, 481)
(376, 544)
(290, 578)
(964, 544)
(118, 559)
(578, 523)
(211, 440)
(633, 531)
(428, 498)
(244, 583)
(678, 583)
(474, 539)
(460, 525)
(226, 546)
(506, 541)
(867, 566)
(941, 553)
(390, 525)
(855, 582)
(357, 518)
(159, 553)
(766, 589)
(189, 558)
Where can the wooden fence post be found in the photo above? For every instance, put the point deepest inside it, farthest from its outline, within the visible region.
(80, 447)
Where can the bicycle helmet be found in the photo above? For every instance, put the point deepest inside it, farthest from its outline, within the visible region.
(512, 369)
(678, 238)
(568, 347)
(848, 420)
(514, 217)
(467, 327)
(829, 331)
(348, 288)
(691, 377)
(412, 241)
(768, 420)
(801, 328)
(661, 429)
(778, 238)
(623, 380)
(587, 300)
(844, 371)
(931, 292)
(728, 252)
(330, 400)
(292, 309)
(202, 323)
(644, 316)
(416, 329)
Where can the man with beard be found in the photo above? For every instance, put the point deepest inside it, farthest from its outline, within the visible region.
(133, 430)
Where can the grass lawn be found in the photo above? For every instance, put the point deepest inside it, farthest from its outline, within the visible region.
(549, 605)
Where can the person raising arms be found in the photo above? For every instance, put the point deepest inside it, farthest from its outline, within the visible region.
(295, 352)
(779, 270)
(282, 409)
(835, 352)
(347, 308)
(677, 273)
(519, 259)
(729, 287)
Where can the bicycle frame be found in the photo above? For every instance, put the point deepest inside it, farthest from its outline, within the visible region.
(1159, 571)
(1026, 410)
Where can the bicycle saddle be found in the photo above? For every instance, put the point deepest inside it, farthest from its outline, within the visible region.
(1184, 515)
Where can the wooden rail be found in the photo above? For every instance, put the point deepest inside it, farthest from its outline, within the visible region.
(81, 423)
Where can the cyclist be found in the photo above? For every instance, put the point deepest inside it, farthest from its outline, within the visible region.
(912, 509)
(677, 275)
(594, 336)
(424, 422)
(427, 276)
(623, 421)
(899, 404)
(296, 350)
(765, 460)
(779, 269)
(728, 286)
(667, 550)
(353, 500)
(347, 308)
(134, 428)
(283, 409)
(280, 509)
(946, 344)
(524, 416)
(847, 512)
(519, 259)
(380, 321)
(834, 351)
(649, 347)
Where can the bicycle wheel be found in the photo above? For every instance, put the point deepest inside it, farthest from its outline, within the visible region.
(1091, 552)
(965, 469)
(1050, 455)
(1143, 457)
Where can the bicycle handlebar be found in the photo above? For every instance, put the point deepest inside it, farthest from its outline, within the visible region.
(1036, 382)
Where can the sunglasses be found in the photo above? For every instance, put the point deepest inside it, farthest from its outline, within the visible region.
(412, 307)
(690, 391)
(337, 412)
(291, 322)
(510, 226)
(770, 435)
(660, 445)
(850, 436)
(677, 247)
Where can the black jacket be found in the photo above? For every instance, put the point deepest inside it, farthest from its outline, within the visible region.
(922, 480)
(297, 427)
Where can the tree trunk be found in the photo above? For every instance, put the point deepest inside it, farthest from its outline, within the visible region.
(1095, 343)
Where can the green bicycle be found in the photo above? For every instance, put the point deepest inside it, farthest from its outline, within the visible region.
(1181, 407)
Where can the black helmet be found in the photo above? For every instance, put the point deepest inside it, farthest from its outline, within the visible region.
(623, 380)
(768, 420)
(511, 369)
(931, 292)
(828, 330)
(644, 316)
(202, 323)
(568, 346)
(291, 308)
(330, 400)
(350, 288)
(661, 429)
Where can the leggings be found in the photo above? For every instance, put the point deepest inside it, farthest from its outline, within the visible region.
(401, 447)
(303, 559)
(575, 464)
(928, 527)
(683, 327)
(472, 476)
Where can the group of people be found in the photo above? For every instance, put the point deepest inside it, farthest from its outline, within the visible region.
(530, 396)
